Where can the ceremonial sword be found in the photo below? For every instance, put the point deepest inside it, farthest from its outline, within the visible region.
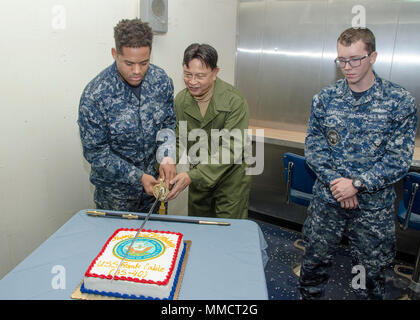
(95, 213)
(160, 191)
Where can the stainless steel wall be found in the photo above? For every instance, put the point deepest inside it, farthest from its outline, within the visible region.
(286, 52)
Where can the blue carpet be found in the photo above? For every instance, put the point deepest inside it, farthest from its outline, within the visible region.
(282, 283)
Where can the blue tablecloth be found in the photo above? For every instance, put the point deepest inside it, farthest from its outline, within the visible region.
(225, 262)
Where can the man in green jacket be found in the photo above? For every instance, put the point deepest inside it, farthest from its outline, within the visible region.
(216, 113)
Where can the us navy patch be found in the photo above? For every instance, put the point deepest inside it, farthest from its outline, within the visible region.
(333, 137)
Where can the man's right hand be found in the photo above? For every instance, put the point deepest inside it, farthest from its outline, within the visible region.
(167, 171)
(148, 182)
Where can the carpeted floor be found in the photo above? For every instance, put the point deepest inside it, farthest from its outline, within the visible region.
(282, 282)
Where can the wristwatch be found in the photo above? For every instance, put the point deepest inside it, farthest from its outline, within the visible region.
(358, 184)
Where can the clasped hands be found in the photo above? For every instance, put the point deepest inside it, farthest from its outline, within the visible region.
(344, 192)
(167, 171)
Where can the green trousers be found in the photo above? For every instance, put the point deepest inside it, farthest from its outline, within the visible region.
(228, 199)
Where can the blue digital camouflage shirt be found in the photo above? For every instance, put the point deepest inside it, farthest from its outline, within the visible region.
(118, 131)
(371, 138)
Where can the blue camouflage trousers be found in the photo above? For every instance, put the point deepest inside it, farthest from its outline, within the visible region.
(107, 201)
(372, 243)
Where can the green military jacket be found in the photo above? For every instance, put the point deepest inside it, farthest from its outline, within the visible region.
(212, 183)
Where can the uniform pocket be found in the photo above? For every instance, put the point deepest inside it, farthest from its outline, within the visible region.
(370, 144)
(125, 139)
(159, 116)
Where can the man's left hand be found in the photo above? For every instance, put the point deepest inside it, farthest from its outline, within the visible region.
(350, 203)
(342, 188)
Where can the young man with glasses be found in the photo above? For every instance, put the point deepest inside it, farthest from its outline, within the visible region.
(359, 142)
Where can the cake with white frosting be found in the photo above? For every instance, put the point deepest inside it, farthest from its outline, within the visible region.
(150, 270)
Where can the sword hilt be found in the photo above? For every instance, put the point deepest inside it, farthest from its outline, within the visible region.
(160, 190)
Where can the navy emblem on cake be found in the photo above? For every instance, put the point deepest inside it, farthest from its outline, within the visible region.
(141, 250)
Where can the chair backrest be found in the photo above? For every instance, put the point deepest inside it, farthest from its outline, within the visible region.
(409, 184)
(299, 179)
(409, 208)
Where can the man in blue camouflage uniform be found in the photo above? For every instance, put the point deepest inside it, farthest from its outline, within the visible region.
(360, 141)
(120, 114)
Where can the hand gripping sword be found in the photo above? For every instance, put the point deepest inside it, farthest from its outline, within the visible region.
(160, 191)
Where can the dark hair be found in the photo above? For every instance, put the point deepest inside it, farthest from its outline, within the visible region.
(133, 34)
(204, 52)
(352, 35)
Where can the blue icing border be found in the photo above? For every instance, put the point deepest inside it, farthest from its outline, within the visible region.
(132, 296)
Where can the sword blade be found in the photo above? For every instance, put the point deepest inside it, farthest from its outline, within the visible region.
(136, 236)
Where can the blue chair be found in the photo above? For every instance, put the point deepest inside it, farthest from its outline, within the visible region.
(409, 218)
(299, 182)
(299, 178)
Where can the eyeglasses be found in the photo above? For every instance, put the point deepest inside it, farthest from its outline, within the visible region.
(199, 76)
(354, 62)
